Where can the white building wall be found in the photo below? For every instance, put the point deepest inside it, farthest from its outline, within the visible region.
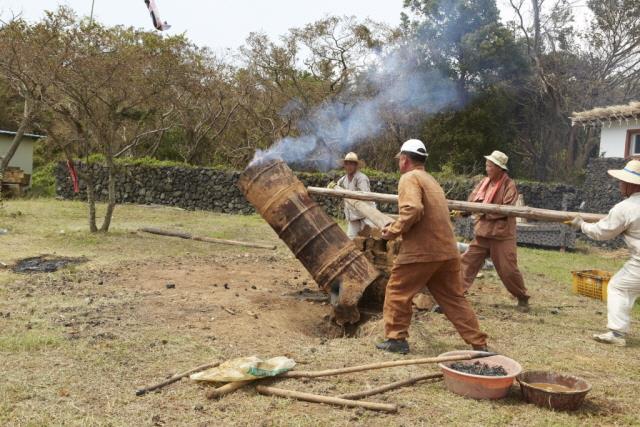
(614, 138)
(23, 158)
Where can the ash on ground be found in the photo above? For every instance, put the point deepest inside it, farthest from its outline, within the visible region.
(45, 264)
(479, 368)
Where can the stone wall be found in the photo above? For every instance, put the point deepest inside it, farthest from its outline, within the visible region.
(189, 188)
(216, 190)
(601, 191)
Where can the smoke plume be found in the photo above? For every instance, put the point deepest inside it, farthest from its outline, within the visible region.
(397, 81)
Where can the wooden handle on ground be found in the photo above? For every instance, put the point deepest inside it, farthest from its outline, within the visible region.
(382, 365)
(175, 378)
(188, 236)
(485, 208)
(316, 398)
(390, 386)
(227, 389)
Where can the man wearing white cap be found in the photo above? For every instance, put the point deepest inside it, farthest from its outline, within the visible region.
(354, 180)
(495, 234)
(428, 256)
(623, 219)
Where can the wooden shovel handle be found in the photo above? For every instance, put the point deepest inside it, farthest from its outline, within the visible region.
(229, 388)
(317, 398)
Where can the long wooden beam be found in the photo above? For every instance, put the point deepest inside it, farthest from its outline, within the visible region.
(376, 217)
(536, 214)
(182, 235)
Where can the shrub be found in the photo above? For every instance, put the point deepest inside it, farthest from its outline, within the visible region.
(43, 181)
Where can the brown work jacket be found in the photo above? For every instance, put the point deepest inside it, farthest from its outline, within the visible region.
(496, 226)
(423, 221)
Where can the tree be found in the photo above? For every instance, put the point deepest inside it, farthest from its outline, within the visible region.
(205, 102)
(571, 73)
(15, 42)
(615, 42)
(465, 41)
(334, 51)
(100, 85)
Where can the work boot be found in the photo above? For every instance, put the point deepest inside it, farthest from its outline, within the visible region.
(523, 304)
(612, 337)
(480, 347)
(394, 346)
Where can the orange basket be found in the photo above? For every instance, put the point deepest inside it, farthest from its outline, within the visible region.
(591, 283)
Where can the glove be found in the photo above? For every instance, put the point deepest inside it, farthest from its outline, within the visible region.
(386, 235)
(576, 222)
(331, 185)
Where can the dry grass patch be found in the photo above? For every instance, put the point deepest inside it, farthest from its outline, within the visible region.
(75, 345)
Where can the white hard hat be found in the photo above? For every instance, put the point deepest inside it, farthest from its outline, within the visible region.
(413, 146)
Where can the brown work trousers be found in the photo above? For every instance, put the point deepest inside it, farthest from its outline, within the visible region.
(505, 259)
(442, 278)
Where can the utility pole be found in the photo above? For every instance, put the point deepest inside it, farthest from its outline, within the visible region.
(93, 2)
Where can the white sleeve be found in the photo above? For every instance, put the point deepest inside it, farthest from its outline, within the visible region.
(609, 227)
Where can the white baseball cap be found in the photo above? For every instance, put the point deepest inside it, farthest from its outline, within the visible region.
(414, 146)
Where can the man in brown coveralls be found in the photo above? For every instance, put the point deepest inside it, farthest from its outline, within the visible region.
(428, 256)
(495, 234)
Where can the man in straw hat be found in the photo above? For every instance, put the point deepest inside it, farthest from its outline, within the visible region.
(495, 234)
(354, 180)
(428, 256)
(623, 219)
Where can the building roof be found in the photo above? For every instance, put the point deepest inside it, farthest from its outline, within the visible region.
(28, 135)
(615, 113)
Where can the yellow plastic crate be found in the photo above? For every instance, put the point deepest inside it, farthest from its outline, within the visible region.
(591, 283)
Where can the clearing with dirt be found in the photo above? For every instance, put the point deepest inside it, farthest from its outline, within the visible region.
(75, 344)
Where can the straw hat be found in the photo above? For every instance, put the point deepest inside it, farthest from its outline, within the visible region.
(499, 159)
(630, 173)
(352, 157)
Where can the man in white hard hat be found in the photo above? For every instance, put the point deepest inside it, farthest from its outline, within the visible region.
(495, 234)
(623, 219)
(354, 180)
(428, 256)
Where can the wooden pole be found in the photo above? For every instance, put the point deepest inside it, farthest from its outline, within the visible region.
(390, 386)
(316, 398)
(382, 365)
(483, 208)
(175, 378)
(379, 219)
(227, 389)
(205, 239)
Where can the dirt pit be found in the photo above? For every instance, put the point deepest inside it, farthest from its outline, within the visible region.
(229, 300)
(45, 264)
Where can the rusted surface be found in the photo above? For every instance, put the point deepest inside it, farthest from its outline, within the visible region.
(313, 237)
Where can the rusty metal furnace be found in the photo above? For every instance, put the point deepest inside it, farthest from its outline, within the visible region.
(314, 238)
